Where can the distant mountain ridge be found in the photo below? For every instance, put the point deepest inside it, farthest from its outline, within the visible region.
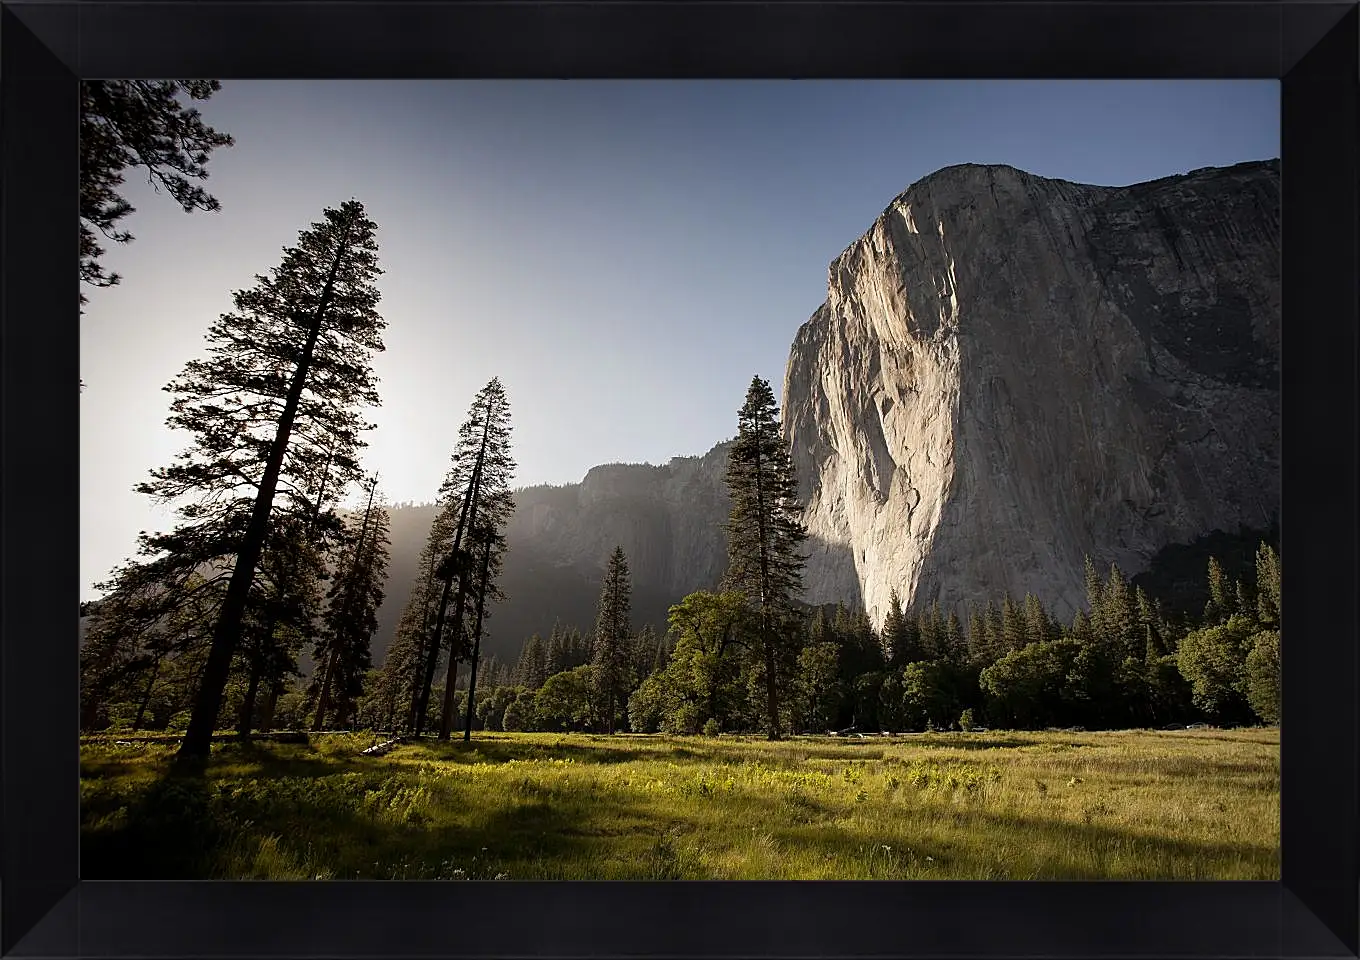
(668, 518)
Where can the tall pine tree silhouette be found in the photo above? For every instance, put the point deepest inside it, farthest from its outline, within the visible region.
(478, 480)
(613, 636)
(280, 391)
(765, 537)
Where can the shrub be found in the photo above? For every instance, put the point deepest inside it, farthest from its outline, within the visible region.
(1214, 660)
(927, 695)
(520, 714)
(566, 701)
(966, 721)
(712, 727)
(1028, 687)
(647, 705)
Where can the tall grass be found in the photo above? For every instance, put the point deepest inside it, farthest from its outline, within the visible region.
(1200, 804)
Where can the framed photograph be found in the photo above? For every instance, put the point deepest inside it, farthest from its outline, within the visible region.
(629, 479)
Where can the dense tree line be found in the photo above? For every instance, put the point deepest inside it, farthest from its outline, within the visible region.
(1118, 663)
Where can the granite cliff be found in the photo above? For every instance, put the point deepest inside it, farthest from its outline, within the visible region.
(1010, 373)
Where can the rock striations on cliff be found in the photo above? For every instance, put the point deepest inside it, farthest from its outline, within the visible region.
(1010, 373)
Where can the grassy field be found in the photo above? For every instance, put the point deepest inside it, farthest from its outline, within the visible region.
(1190, 804)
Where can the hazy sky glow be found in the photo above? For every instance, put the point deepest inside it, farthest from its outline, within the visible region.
(623, 255)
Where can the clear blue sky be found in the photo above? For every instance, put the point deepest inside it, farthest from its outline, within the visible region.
(623, 254)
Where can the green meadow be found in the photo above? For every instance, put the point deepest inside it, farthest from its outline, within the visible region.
(1153, 805)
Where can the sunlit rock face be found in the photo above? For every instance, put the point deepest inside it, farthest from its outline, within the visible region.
(1010, 373)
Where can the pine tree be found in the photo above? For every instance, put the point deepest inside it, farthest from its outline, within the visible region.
(577, 647)
(954, 644)
(282, 610)
(1119, 617)
(613, 631)
(557, 658)
(1268, 586)
(977, 636)
(278, 394)
(479, 476)
(129, 124)
(1095, 592)
(765, 538)
(928, 628)
(344, 654)
(901, 643)
(1220, 604)
(490, 543)
(662, 656)
(644, 655)
(532, 670)
(1038, 625)
(1013, 626)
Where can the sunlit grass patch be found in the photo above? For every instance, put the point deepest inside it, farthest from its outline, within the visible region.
(1079, 805)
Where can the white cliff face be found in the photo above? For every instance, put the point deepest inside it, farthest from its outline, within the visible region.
(1011, 373)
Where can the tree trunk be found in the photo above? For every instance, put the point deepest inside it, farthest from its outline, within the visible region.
(446, 717)
(771, 691)
(432, 660)
(418, 661)
(477, 641)
(146, 694)
(197, 741)
(247, 715)
(271, 701)
(323, 697)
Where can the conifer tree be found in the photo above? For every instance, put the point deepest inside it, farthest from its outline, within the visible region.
(1038, 625)
(479, 473)
(283, 608)
(532, 669)
(954, 644)
(765, 536)
(662, 655)
(644, 655)
(344, 654)
(130, 124)
(490, 543)
(577, 647)
(977, 636)
(1268, 586)
(556, 658)
(1013, 626)
(404, 668)
(1095, 603)
(1220, 604)
(613, 633)
(900, 637)
(477, 580)
(1119, 617)
(280, 392)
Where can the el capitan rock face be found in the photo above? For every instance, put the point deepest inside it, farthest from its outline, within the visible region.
(1011, 373)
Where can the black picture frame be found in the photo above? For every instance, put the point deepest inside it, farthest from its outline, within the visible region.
(45, 47)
